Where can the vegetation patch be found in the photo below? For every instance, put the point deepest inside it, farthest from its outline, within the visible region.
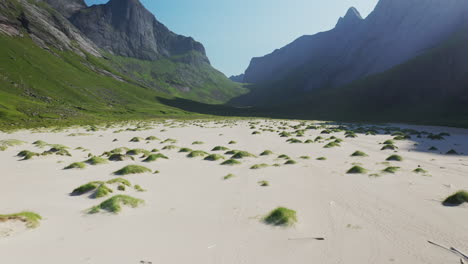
(132, 169)
(136, 139)
(229, 176)
(155, 157)
(96, 161)
(220, 148)
(394, 158)
(243, 154)
(170, 147)
(134, 152)
(359, 154)
(198, 143)
(264, 183)
(232, 142)
(420, 170)
(138, 188)
(185, 150)
(121, 181)
(290, 162)
(86, 188)
(452, 152)
(357, 170)
(283, 156)
(197, 153)
(215, 157)
(266, 153)
(456, 199)
(40, 144)
(259, 166)
(281, 217)
(389, 147)
(75, 165)
(321, 158)
(231, 162)
(32, 220)
(5, 144)
(332, 145)
(391, 169)
(102, 191)
(151, 138)
(27, 155)
(114, 204)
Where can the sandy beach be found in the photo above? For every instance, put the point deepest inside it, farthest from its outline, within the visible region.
(191, 214)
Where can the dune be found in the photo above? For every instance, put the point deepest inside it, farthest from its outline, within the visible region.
(197, 211)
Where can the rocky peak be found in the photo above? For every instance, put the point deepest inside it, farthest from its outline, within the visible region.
(127, 28)
(352, 17)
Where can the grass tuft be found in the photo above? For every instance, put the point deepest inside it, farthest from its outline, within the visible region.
(357, 170)
(264, 183)
(197, 153)
(229, 176)
(231, 162)
(5, 144)
(359, 154)
(27, 155)
(281, 217)
(456, 199)
(259, 166)
(420, 170)
(290, 162)
(215, 157)
(32, 220)
(132, 169)
(155, 157)
(391, 169)
(76, 165)
(185, 150)
(96, 161)
(220, 148)
(242, 154)
(114, 204)
(452, 152)
(394, 158)
(121, 181)
(321, 158)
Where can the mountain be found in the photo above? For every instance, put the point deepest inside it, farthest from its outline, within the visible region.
(52, 72)
(396, 31)
(237, 78)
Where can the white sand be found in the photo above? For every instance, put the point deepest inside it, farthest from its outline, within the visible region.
(193, 216)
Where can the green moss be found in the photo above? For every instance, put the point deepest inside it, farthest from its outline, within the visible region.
(281, 217)
(76, 165)
(394, 158)
(114, 204)
(229, 176)
(356, 170)
(96, 161)
(215, 157)
(456, 199)
(391, 169)
(231, 162)
(132, 169)
(259, 166)
(220, 148)
(197, 153)
(155, 157)
(32, 220)
(359, 154)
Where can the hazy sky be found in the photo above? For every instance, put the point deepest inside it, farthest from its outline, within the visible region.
(234, 31)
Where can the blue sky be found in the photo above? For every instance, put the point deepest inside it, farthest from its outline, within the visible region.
(234, 31)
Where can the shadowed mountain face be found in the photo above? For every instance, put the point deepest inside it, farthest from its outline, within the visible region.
(396, 31)
(67, 7)
(126, 28)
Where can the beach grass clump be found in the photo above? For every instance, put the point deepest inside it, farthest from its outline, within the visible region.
(231, 162)
(433, 148)
(266, 153)
(31, 220)
(115, 203)
(75, 165)
(256, 133)
(391, 169)
(91, 186)
(138, 188)
(389, 142)
(281, 216)
(264, 183)
(394, 158)
(456, 199)
(419, 170)
(290, 162)
(102, 191)
(332, 145)
(359, 154)
(198, 143)
(5, 144)
(197, 153)
(40, 144)
(215, 157)
(120, 181)
(389, 147)
(294, 141)
(96, 161)
(232, 142)
(121, 188)
(285, 134)
(170, 141)
(119, 157)
(321, 158)
(155, 157)
(185, 150)
(136, 139)
(220, 148)
(229, 176)
(305, 157)
(171, 147)
(243, 154)
(259, 166)
(283, 156)
(151, 138)
(132, 169)
(452, 152)
(27, 155)
(135, 152)
(357, 170)
(57, 149)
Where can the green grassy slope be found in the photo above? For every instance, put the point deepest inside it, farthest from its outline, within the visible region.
(39, 88)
